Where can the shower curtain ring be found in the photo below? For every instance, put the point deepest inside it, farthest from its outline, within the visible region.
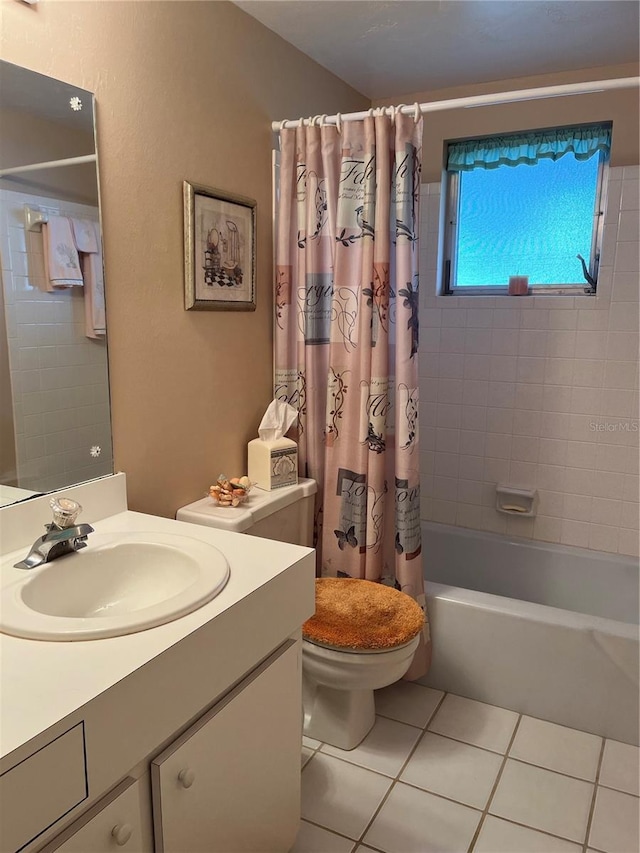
(339, 122)
(416, 112)
(396, 111)
(283, 125)
(323, 119)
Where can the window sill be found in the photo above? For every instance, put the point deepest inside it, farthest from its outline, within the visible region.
(544, 290)
(582, 301)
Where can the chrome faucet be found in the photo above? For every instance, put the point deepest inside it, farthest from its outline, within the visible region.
(63, 535)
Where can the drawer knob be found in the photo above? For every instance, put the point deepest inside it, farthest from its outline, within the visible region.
(186, 777)
(122, 832)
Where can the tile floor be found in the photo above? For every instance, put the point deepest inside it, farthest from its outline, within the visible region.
(443, 774)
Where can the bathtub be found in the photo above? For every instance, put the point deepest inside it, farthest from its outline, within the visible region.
(546, 630)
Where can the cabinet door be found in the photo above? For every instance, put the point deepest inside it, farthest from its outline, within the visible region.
(119, 821)
(232, 781)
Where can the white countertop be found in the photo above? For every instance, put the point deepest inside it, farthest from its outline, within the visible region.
(11, 494)
(43, 682)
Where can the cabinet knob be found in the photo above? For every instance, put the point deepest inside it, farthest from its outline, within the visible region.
(122, 832)
(186, 777)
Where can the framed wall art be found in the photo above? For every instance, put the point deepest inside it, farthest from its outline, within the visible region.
(219, 250)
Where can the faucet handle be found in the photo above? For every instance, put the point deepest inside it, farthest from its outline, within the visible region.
(65, 512)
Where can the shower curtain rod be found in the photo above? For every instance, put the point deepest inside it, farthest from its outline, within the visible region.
(51, 164)
(475, 101)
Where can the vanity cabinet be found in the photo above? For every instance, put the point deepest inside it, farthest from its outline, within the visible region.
(231, 781)
(227, 780)
(119, 821)
(179, 739)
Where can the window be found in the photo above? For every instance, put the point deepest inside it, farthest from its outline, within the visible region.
(527, 205)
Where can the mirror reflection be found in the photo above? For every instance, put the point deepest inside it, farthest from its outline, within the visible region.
(55, 427)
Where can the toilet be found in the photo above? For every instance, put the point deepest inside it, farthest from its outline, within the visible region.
(363, 635)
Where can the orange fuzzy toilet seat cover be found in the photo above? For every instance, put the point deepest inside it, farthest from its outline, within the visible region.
(359, 614)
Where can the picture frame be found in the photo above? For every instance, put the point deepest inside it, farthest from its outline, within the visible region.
(219, 250)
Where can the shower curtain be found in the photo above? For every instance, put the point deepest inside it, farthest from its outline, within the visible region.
(346, 334)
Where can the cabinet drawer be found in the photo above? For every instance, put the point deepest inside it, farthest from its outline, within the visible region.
(232, 781)
(115, 822)
(42, 789)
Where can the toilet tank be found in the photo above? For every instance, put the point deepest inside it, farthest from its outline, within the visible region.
(285, 515)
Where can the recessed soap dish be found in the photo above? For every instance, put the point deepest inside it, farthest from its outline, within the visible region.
(513, 501)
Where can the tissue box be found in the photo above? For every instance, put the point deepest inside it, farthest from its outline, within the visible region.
(272, 464)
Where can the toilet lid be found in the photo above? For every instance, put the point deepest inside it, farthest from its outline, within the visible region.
(359, 614)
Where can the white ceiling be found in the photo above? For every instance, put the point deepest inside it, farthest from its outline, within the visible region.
(386, 49)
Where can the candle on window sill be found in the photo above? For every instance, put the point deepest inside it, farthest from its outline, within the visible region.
(518, 285)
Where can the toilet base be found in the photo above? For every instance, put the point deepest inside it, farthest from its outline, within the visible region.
(342, 718)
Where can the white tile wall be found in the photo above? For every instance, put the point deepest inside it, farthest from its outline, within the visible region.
(59, 377)
(538, 392)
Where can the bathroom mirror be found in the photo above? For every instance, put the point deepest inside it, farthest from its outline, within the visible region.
(55, 422)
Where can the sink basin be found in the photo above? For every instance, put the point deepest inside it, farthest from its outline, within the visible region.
(119, 584)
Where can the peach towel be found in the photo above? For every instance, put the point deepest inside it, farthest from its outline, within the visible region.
(61, 261)
(95, 323)
(84, 235)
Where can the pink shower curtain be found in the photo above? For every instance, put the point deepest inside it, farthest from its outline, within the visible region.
(347, 341)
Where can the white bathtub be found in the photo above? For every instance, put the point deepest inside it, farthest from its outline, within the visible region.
(546, 630)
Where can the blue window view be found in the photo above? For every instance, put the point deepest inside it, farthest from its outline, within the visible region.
(526, 220)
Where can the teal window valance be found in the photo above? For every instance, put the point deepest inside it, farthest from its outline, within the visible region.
(528, 148)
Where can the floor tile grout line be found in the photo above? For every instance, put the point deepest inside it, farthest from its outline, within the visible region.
(498, 817)
(313, 752)
(524, 761)
(333, 831)
(551, 770)
(422, 731)
(359, 766)
(450, 737)
(618, 790)
(541, 831)
(592, 807)
(397, 777)
(467, 743)
(393, 784)
(505, 756)
(485, 811)
(436, 794)
(390, 779)
(403, 722)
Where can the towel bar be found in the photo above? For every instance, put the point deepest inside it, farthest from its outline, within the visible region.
(34, 218)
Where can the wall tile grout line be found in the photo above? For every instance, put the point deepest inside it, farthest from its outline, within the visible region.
(551, 357)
